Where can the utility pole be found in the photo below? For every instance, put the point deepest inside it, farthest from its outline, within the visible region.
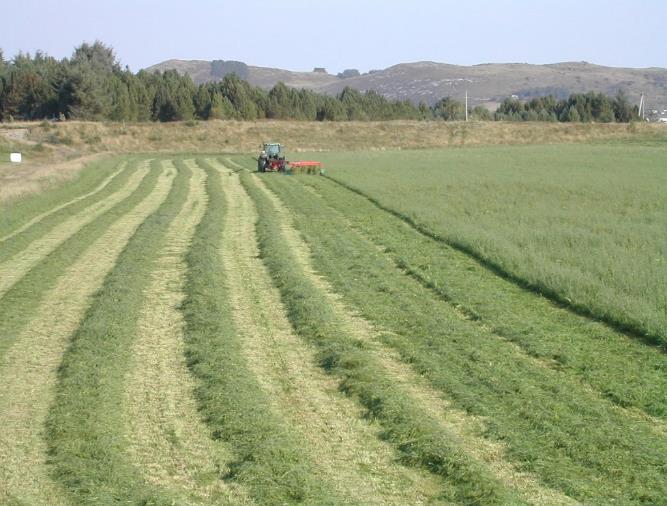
(642, 108)
(467, 105)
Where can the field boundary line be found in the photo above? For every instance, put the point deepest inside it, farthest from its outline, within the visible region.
(123, 165)
(463, 426)
(29, 370)
(493, 267)
(16, 267)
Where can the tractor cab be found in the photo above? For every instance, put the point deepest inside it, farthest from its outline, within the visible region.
(272, 158)
(273, 150)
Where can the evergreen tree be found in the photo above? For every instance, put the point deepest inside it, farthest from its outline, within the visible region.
(221, 107)
(623, 111)
(424, 111)
(120, 101)
(280, 104)
(481, 113)
(573, 114)
(98, 56)
(203, 102)
(449, 109)
(606, 113)
(330, 109)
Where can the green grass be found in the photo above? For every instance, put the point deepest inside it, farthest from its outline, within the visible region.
(573, 439)
(22, 240)
(85, 427)
(624, 370)
(582, 224)
(269, 457)
(17, 212)
(20, 302)
(419, 438)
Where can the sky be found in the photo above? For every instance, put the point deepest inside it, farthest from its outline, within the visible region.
(361, 34)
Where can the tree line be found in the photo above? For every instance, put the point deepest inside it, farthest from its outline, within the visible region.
(579, 107)
(92, 85)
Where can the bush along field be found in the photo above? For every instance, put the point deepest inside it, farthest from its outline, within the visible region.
(415, 328)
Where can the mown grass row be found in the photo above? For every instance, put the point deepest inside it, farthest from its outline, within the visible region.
(17, 212)
(19, 303)
(624, 370)
(269, 458)
(85, 425)
(22, 240)
(575, 441)
(420, 439)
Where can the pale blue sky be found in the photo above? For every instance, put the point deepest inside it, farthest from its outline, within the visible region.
(363, 34)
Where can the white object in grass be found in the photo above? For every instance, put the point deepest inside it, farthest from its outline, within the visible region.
(15, 157)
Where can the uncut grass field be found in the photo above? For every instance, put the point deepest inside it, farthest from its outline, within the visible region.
(479, 325)
(584, 224)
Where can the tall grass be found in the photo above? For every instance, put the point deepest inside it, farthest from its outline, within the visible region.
(245, 137)
(624, 370)
(584, 225)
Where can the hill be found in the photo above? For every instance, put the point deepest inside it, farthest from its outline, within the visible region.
(487, 84)
(203, 71)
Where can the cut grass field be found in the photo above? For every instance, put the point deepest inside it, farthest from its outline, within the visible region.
(177, 330)
(29, 368)
(345, 449)
(572, 437)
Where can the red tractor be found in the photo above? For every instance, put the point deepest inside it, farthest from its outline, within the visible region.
(272, 159)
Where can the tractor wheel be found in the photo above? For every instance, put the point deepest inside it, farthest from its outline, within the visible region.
(260, 165)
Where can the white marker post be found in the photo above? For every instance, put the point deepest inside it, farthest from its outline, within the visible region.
(15, 157)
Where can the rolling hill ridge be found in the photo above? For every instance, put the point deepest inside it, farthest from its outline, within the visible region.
(487, 84)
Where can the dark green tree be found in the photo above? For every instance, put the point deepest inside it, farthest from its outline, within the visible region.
(449, 109)
(623, 110)
(221, 107)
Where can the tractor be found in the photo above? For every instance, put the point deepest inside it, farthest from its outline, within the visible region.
(272, 158)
